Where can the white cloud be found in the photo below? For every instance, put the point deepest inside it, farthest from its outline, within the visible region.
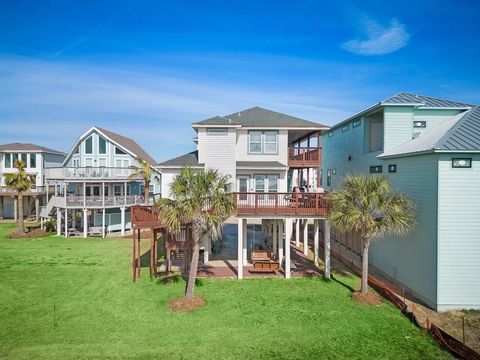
(380, 40)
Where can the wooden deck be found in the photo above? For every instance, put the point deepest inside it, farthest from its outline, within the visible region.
(146, 217)
(288, 204)
(304, 157)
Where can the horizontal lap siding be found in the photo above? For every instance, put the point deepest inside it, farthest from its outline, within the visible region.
(459, 234)
(411, 259)
(218, 152)
(398, 125)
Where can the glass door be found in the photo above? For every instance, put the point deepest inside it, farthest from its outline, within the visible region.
(243, 187)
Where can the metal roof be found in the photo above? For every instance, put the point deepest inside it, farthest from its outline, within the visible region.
(259, 117)
(458, 133)
(409, 98)
(260, 164)
(190, 159)
(29, 147)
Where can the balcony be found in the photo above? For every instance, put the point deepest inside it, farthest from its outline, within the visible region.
(145, 217)
(38, 190)
(90, 173)
(304, 157)
(288, 204)
(107, 201)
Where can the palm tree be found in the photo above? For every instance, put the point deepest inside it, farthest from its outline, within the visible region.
(369, 207)
(19, 181)
(203, 200)
(145, 171)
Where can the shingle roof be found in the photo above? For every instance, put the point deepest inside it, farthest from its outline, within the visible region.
(190, 159)
(458, 133)
(129, 144)
(28, 147)
(261, 164)
(409, 98)
(258, 116)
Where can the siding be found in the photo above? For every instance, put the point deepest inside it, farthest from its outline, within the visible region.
(398, 125)
(459, 234)
(218, 152)
(168, 175)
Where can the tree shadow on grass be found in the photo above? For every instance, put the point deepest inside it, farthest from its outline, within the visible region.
(333, 278)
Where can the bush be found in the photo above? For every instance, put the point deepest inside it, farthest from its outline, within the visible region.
(50, 225)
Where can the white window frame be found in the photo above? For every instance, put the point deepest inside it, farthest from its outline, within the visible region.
(256, 142)
(217, 131)
(263, 142)
(85, 146)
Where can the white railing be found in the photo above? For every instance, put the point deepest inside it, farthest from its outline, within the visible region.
(33, 190)
(99, 201)
(90, 173)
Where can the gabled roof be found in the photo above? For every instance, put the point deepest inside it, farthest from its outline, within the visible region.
(190, 159)
(259, 117)
(428, 101)
(458, 133)
(126, 144)
(29, 147)
(129, 145)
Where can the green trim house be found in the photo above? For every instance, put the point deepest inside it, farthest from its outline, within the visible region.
(430, 149)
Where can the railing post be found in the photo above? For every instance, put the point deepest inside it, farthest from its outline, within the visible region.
(256, 202)
(276, 203)
(317, 207)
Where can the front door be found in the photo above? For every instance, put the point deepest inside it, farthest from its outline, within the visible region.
(243, 187)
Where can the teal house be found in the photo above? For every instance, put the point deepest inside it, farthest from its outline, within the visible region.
(430, 150)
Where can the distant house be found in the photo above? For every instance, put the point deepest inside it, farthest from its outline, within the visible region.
(430, 149)
(267, 155)
(94, 187)
(36, 159)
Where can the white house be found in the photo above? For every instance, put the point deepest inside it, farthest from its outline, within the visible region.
(267, 155)
(94, 187)
(36, 159)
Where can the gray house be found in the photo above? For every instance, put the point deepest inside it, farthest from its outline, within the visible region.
(430, 149)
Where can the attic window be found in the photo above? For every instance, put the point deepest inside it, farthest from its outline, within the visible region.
(345, 128)
(356, 123)
(119, 151)
(102, 145)
(419, 124)
(217, 131)
(376, 169)
(89, 146)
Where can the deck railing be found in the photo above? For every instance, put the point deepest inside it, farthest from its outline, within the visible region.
(308, 204)
(304, 156)
(90, 173)
(145, 217)
(32, 191)
(92, 201)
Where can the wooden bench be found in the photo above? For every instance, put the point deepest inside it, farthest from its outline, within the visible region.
(95, 231)
(265, 266)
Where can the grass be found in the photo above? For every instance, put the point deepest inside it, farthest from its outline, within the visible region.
(74, 299)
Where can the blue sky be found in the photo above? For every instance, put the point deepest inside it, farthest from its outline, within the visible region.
(148, 69)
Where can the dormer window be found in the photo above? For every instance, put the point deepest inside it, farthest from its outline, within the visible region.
(89, 145)
(263, 142)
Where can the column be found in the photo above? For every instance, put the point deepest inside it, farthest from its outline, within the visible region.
(280, 240)
(85, 223)
(297, 232)
(84, 194)
(288, 236)
(41, 223)
(206, 251)
(305, 238)
(103, 222)
(37, 208)
(327, 250)
(15, 209)
(59, 222)
(245, 242)
(240, 249)
(66, 222)
(1, 207)
(122, 218)
(274, 236)
(316, 238)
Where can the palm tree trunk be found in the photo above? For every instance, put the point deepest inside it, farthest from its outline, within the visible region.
(365, 245)
(21, 227)
(192, 275)
(147, 190)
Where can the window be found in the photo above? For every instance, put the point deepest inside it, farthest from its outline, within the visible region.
(151, 188)
(265, 142)
(392, 168)
(461, 163)
(273, 183)
(119, 151)
(102, 145)
(329, 177)
(376, 169)
(259, 183)
(217, 131)
(117, 190)
(356, 123)
(33, 160)
(419, 124)
(345, 128)
(77, 150)
(106, 190)
(270, 142)
(8, 160)
(24, 159)
(76, 163)
(375, 138)
(89, 145)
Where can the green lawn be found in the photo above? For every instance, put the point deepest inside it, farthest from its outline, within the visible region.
(100, 313)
